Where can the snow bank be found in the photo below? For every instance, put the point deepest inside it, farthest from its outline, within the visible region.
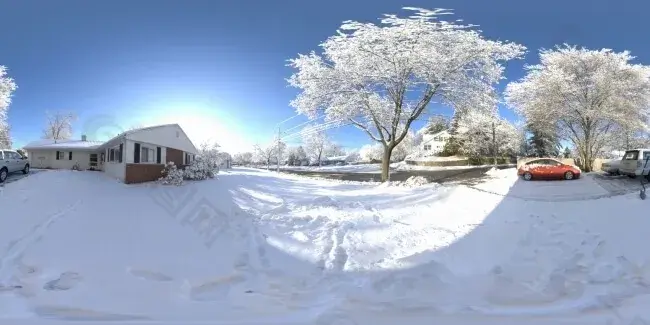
(258, 247)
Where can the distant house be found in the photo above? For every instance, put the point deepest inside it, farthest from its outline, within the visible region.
(434, 143)
(133, 156)
(334, 160)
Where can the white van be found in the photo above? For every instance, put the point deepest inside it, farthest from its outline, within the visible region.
(634, 161)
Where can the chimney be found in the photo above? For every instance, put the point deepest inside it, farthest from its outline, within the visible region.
(83, 137)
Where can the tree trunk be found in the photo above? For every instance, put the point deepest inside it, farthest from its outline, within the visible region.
(385, 164)
(587, 161)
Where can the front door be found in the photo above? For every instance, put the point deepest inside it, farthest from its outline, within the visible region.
(93, 163)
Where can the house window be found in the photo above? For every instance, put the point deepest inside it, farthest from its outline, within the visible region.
(60, 155)
(93, 160)
(427, 147)
(188, 158)
(147, 155)
(114, 154)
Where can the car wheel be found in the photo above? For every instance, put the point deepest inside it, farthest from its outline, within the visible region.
(26, 169)
(631, 176)
(568, 175)
(3, 175)
(528, 176)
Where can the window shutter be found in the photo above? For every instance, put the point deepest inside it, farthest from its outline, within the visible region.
(120, 153)
(57, 155)
(70, 155)
(158, 151)
(136, 153)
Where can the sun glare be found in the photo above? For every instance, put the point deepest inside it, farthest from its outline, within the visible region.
(204, 125)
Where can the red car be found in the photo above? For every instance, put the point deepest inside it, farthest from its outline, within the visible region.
(547, 168)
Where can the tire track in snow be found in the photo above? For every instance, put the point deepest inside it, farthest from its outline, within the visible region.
(17, 247)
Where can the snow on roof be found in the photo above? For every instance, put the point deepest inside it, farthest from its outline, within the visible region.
(62, 144)
(107, 143)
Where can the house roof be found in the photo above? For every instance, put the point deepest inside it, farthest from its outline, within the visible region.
(113, 140)
(125, 133)
(62, 144)
(90, 145)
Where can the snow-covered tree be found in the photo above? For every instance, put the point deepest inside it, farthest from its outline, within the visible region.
(269, 153)
(452, 146)
(263, 154)
(296, 156)
(437, 123)
(243, 158)
(316, 142)
(370, 152)
(58, 125)
(7, 87)
(381, 77)
(543, 143)
(408, 146)
(584, 94)
(484, 133)
(333, 150)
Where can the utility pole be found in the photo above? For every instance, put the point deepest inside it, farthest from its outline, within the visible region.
(278, 152)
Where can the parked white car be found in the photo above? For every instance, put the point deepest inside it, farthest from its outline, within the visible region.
(612, 166)
(11, 162)
(634, 161)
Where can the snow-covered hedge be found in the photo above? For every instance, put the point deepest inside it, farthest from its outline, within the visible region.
(204, 166)
(172, 175)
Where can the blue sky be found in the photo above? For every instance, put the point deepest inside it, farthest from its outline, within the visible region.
(219, 66)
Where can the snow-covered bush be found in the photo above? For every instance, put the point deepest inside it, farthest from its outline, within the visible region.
(415, 181)
(172, 175)
(203, 167)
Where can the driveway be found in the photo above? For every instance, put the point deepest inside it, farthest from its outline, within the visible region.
(588, 187)
(19, 175)
(617, 184)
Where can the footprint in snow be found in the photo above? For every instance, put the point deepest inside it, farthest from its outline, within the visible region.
(150, 275)
(66, 281)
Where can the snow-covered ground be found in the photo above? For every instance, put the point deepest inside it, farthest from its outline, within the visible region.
(255, 247)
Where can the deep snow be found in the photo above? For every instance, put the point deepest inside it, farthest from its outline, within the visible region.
(254, 247)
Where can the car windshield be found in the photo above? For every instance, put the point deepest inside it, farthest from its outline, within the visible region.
(336, 162)
(631, 155)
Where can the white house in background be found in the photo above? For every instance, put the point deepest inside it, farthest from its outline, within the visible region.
(134, 156)
(434, 143)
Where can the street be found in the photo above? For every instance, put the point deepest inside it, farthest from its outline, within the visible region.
(439, 176)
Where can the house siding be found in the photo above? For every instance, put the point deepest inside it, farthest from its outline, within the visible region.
(436, 142)
(47, 159)
(176, 156)
(140, 173)
(130, 154)
(116, 169)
